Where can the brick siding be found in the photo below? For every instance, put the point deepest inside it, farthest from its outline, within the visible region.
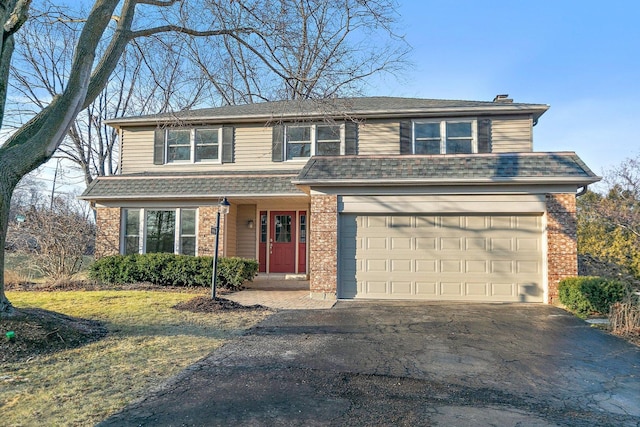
(562, 249)
(323, 252)
(107, 232)
(206, 240)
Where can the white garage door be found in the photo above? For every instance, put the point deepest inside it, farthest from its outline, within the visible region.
(465, 258)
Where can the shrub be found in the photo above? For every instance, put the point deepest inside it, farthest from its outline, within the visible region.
(590, 294)
(232, 272)
(172, 270)
(624, 317)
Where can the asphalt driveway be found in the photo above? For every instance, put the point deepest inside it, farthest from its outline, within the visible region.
(404, 363)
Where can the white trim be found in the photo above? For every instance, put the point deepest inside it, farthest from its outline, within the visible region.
(443, 132)
(192, 146)
(314, 139)
(142, 227)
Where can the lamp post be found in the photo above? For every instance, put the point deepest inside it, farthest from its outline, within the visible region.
(223, 208)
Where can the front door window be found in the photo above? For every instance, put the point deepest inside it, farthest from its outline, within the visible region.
(283, 228)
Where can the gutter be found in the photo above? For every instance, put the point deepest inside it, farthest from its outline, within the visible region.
(583, 182)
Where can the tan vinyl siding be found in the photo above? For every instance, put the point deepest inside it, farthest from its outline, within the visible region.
(252, 152)
(511, 134)
(246, 237)
(379, 137)
(137, 150)
(230, 232)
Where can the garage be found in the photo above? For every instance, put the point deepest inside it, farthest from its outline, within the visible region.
(475, 257)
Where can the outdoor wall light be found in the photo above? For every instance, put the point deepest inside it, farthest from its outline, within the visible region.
(250, 224)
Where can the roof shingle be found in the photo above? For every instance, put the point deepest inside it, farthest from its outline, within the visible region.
(190, 186)
(558, 166)
(377, 106)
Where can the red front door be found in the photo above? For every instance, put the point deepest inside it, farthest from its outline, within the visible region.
(282, 242)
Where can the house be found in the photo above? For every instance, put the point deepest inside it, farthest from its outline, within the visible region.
(379, 197)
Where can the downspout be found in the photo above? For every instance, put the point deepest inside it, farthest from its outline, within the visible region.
(582, 191)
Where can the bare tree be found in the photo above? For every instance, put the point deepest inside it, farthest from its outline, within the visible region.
(150, 77)
(305, 49)
(56, 236)
(36, 141)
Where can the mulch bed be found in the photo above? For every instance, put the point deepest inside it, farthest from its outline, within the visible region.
(204, 304)
(39, 332)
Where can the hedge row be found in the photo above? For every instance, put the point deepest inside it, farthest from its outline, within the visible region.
(173, 270)
(587, 295)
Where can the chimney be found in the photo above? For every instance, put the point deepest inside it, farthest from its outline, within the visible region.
(503, 98)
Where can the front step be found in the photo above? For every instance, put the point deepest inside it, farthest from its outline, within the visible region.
(279, 281)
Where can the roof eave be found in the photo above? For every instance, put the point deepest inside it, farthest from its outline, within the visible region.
(536, 110)
(579, 181)
(90, 197)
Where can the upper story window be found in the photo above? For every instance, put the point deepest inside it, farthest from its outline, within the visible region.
(449, 136)
(193, 145)
(444, 137)
(301, 141)
(321, 140)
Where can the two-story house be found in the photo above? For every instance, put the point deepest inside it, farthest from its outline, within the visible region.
(369, 197)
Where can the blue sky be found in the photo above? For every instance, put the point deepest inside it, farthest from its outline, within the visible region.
(580, 57)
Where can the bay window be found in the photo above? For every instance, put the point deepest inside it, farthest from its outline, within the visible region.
(159, 230)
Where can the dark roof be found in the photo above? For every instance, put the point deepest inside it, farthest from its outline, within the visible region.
(552, 168)
(356, 108)
(191, 186)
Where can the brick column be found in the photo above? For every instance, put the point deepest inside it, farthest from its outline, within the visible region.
(562, 246)
(323, 250)
(107, 232)
(206, 240)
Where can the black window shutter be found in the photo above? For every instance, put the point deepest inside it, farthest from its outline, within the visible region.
(228, 145)
(350, 138)
(406, 146)
(277, 147)
(158, 147)
(484, 135)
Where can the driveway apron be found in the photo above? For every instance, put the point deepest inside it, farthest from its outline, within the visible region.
(406, 363)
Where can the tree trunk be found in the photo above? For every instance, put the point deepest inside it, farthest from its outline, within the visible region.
(6, 189)
(36, 141)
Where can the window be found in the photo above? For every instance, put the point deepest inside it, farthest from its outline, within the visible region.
(207, 144)
(188, 232)
(263, 228)
(297, 142)
(159, 230)
(131, 231)
(304, 141)
(444, 137)
(282, 228)
(189, 145)
(303, 228)
(328, 140)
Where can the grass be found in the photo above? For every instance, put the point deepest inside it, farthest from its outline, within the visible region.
(148, 342)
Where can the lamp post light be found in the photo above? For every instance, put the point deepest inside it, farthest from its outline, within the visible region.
(223, 208)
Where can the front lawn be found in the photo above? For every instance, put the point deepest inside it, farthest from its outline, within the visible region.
(148, 341)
